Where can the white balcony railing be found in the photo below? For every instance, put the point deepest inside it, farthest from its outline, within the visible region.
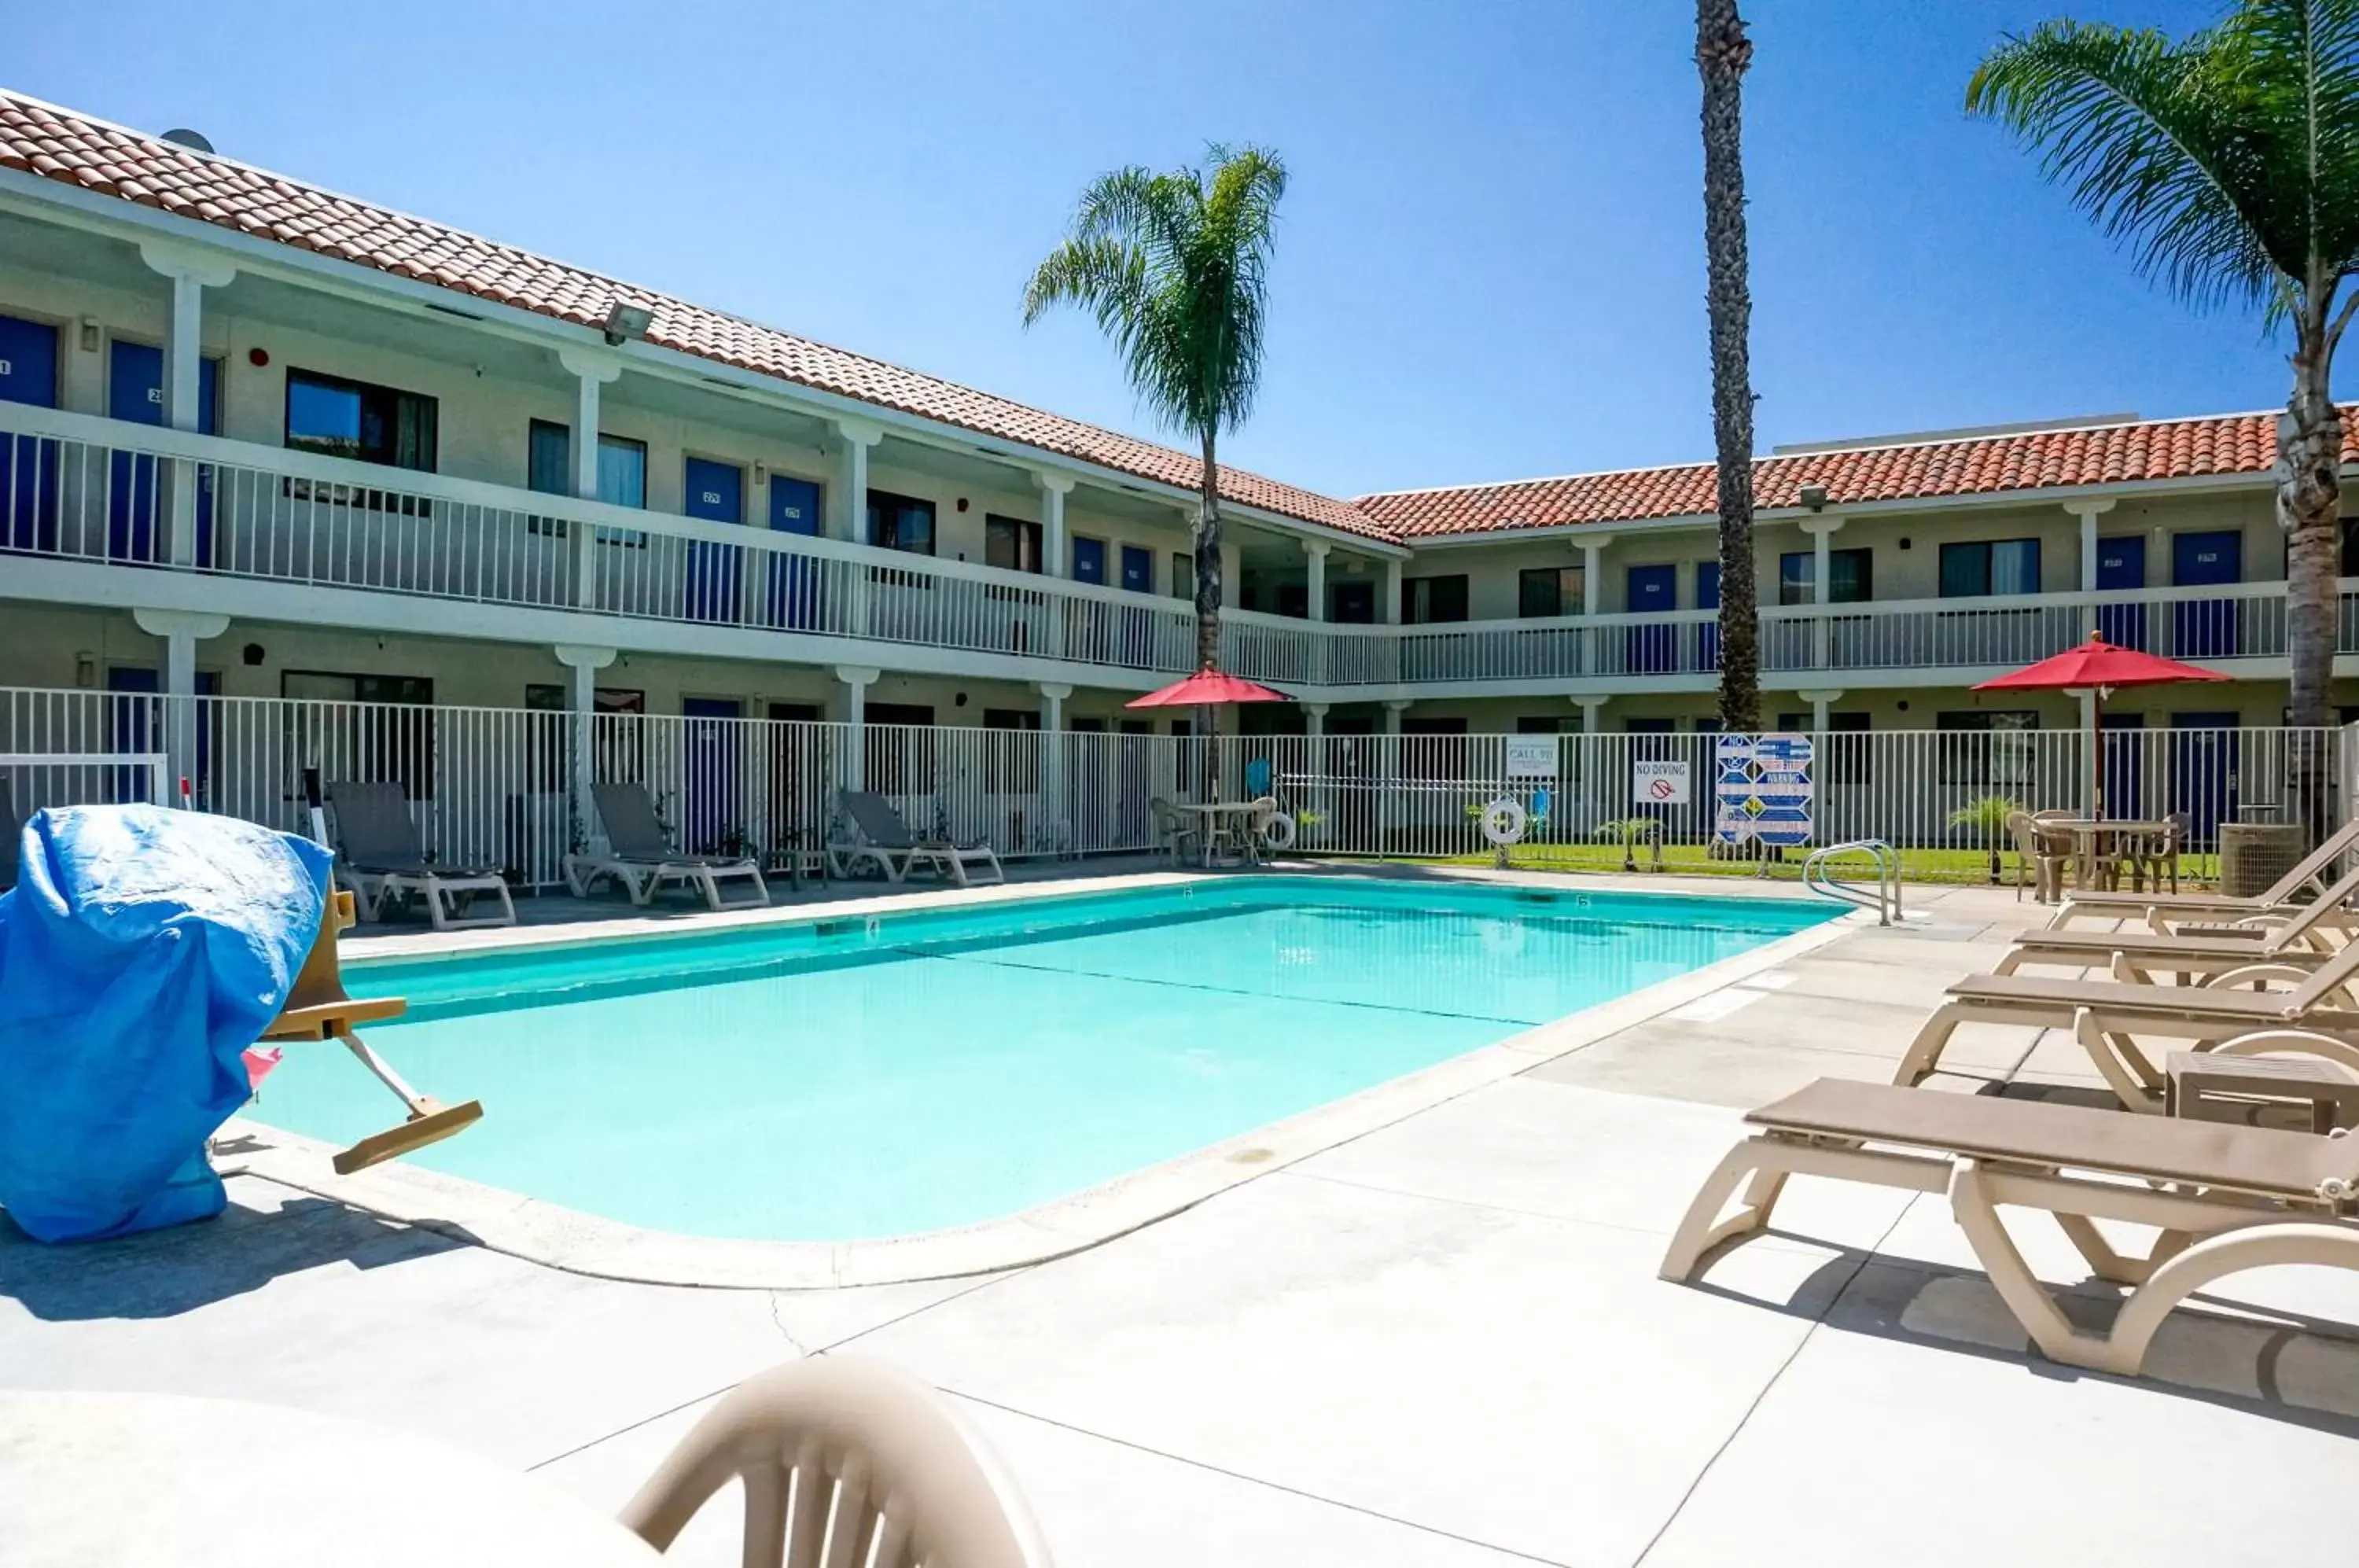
(78, 488)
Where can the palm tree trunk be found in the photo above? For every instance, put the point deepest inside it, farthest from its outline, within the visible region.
(1723, 53)
(2310, 510)
(1208, 599)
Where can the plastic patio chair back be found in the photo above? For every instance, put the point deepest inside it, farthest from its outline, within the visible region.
(629, 819)
(373, 828)
(879, 822)
(844, 1459)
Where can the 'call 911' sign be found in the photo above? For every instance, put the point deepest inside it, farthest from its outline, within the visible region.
(1761, 789)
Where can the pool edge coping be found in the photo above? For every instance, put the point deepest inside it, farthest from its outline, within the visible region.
(579, 1243)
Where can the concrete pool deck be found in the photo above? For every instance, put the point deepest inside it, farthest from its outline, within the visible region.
(1438, 1343)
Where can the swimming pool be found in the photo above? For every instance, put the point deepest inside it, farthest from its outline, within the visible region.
(839, 1078)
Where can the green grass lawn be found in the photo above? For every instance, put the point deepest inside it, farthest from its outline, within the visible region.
(1695, 860)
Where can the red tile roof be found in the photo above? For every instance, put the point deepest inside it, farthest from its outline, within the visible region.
(2226, 445)
(75, 149)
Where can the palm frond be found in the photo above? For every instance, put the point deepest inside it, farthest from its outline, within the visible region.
(2227, 163)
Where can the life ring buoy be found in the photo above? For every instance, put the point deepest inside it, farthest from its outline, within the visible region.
(1504, 821)
(1277, 829)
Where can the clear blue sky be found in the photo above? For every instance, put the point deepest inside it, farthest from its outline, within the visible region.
(1491, 258)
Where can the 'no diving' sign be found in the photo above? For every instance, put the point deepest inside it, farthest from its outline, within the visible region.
(1659, 783)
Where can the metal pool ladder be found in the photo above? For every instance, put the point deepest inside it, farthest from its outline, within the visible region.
(1883, 898)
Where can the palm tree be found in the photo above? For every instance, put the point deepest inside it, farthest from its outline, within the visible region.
(1175, 266)
(1723, 53)
(2228, 162)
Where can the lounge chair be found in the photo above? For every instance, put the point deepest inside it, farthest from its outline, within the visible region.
(844, 1459)
(2160, 911)
(2316, 1016)
(2226, 1198)
(879, 834)
(377, 853)
(2307, 935)
(641, 862)
(12, 829)
(319, 1007)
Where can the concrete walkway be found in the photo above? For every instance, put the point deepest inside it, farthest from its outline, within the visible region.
(1442, 1343)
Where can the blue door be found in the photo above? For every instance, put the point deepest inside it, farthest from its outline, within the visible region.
(2204, 771)
(2121, 564)
(1089, 561)
(135, 393)
(716, 494)
(794, 580)
(1652, 650)
(1137, 634)
(1708, 598)
(1138, 570)
(28, 467)
(138, 725)
(2205, 628)
(713, 771)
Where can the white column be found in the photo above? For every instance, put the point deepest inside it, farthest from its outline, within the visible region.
(1314, 719)
(1054, 816)
(182, 631)
(856, 681)
(1056, 559)
(1394, 708)
(1821, 530)
(1592, 588)
(583, 663)
(591, 369)
(1593, 707)
(192, 273)
(854, 437)
(1820, 701)
(2088, 512)
(1389, 611)
(1315, 553)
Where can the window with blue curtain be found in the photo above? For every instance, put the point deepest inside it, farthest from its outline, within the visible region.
(900, 522)
(622, 476)
(1979, 568)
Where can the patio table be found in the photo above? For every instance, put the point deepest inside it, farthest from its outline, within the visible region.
(2089, 836)
(1228, 822)
(99, 1479)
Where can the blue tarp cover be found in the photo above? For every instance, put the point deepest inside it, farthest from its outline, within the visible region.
(141, 951)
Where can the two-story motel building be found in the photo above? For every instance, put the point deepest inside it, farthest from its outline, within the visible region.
(259, 438)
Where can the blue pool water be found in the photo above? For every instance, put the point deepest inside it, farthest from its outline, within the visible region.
(835, 1079)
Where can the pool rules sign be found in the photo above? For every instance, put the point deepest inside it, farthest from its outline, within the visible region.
(1761, 789)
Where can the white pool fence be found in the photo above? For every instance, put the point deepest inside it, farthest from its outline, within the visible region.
(501, 787)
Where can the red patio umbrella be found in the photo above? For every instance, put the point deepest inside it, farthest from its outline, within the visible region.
(2102, 667)
(1206, 689)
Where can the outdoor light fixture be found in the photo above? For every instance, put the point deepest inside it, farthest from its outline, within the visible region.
(624, 322)
(1814, 496)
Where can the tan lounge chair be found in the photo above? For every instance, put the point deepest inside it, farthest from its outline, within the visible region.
(879, 834)
(377, 853)
(319, 1007)
(844, 1461)
(2314, 1017)
(2226, 1198)
(2306, 935)
(641, 862)
(2161, 909)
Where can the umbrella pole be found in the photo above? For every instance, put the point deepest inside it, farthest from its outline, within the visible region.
(2097, 754)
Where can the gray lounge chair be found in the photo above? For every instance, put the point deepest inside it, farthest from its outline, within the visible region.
(641, 861)
(378, 856)
(879, 834)
(2226, 1199)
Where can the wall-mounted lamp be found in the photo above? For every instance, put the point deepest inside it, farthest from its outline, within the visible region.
(624, 323)
(89, 334)
(86, 670)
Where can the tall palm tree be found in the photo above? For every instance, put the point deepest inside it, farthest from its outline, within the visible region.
(2228, 162)
(1723, 53)
(1175, 266)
